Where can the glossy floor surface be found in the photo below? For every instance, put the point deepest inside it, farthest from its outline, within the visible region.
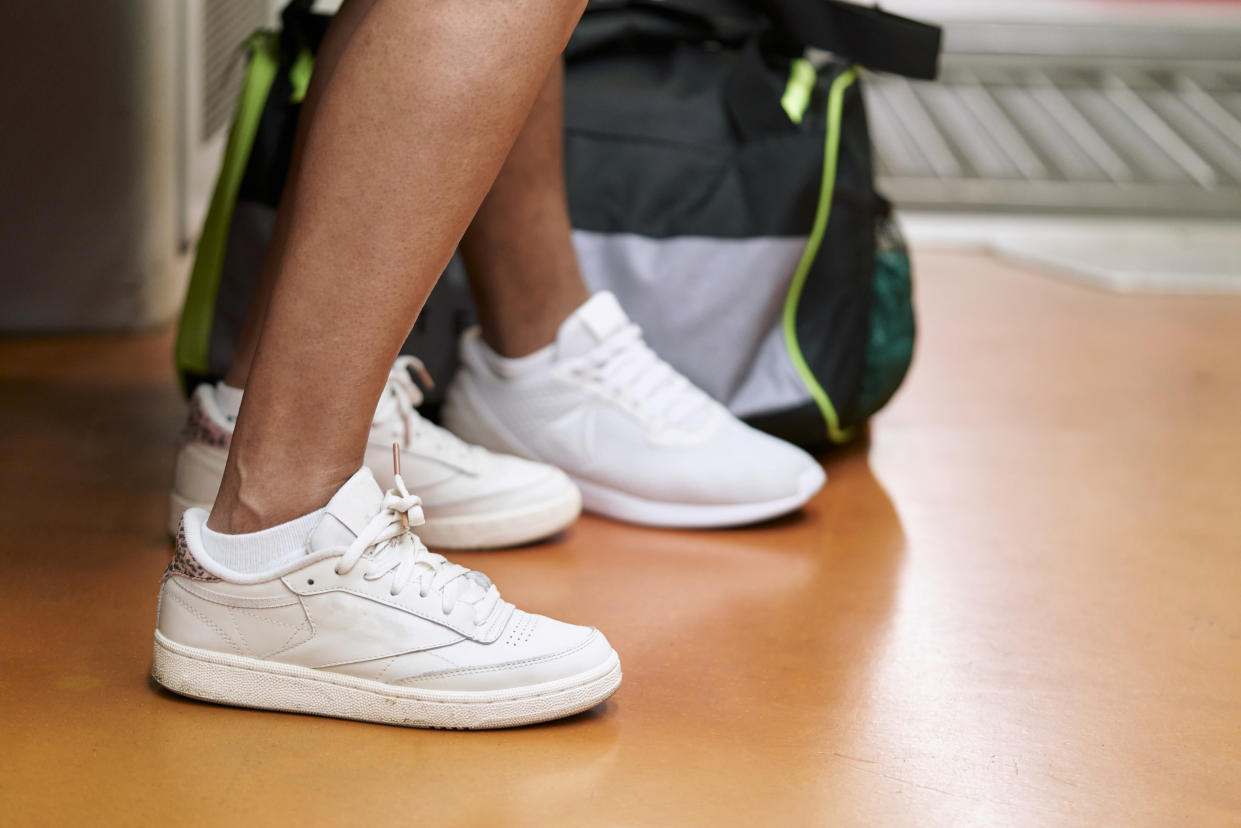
(1020, 604)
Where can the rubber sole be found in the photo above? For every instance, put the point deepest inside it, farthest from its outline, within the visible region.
(619, 505)
(467, 416)
(267, 685)
(485, 530)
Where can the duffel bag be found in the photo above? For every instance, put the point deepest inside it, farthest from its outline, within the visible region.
(720, 182)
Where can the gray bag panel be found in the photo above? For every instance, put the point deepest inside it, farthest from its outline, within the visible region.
(709, 306)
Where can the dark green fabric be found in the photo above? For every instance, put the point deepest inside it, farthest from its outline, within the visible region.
(890, 341)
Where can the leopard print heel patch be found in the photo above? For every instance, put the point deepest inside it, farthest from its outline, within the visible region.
(200, 428)
(184, 564)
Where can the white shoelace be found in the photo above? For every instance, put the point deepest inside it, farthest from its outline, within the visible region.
(654, 389)
(394, 548)
(402, 407)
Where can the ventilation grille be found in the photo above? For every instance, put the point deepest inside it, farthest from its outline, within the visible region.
(226, 24)
(1046, 133)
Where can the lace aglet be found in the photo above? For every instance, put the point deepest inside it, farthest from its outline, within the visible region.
(424, 375)
(396, 471)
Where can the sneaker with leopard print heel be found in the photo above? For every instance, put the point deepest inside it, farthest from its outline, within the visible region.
(472, 498)
(399, 634)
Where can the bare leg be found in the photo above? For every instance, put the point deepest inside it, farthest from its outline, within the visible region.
(411, 123)
(344, 24)
(523, 272)
(518, 251)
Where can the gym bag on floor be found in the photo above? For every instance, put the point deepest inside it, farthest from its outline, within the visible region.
(720, 183)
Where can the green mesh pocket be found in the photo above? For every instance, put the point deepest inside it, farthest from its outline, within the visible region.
(890, 341)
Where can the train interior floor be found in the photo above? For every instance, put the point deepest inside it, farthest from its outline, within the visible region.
(1017, 601)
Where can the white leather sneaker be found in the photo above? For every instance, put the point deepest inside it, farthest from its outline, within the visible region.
(472, 498)
(640, 440)
(370, 625)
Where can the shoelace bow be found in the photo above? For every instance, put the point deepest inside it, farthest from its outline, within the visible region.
(399, 551)
(627, 364)
(408, 397)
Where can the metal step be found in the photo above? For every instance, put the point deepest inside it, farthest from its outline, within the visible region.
(1055, 118)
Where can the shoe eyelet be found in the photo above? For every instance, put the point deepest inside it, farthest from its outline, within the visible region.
(310, 581)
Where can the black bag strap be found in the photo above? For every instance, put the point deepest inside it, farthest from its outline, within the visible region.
(867, 35)
(643, 26)
(862, 34)
(301, 29)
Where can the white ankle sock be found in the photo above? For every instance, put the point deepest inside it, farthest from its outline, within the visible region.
(264, 550)
(509, 367)
(228, 399)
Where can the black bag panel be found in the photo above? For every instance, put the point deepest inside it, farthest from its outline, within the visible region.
(661, 191)
(651, 149)
(666, 93)
(448, 312)
(833, 313)
(268, 167)
(249, 235)
(801, 425)
(272, 152)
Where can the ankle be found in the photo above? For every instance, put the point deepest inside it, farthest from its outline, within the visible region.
(516, 334)
(512, 345)
(242, 507)
(263, 550)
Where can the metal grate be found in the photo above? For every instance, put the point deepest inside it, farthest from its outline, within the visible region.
(1126, 132)
(226, 24)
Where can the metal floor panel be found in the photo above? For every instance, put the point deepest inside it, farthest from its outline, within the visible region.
(1110, 120)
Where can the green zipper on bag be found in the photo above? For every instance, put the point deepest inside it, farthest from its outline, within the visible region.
(797, 93)
(299, 75)
(831, 149)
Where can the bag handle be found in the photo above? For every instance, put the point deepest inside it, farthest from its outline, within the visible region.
(862, 34)
(867, 35)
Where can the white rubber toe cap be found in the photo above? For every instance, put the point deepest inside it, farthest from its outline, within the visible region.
(772, 469)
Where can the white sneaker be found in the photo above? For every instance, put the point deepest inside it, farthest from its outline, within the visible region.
(640, 440)
(472, 498)
(369, 625)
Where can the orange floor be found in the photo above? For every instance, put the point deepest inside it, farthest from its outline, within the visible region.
(1019, 605)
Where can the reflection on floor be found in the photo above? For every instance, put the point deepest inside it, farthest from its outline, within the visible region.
(1016, 605)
